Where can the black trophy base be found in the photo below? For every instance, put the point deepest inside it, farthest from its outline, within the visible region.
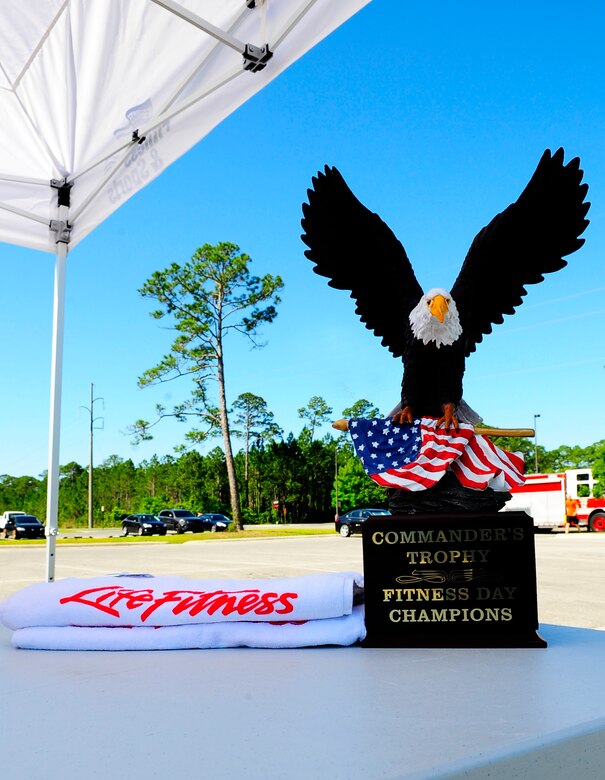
(528, 639)
(457, 580)
(448, 496)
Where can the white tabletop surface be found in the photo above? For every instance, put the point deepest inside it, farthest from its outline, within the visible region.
(342, 713)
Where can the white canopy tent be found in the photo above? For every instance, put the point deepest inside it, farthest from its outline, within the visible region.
(98, 97)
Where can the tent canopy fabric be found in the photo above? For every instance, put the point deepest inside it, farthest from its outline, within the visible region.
(98, 97)
(104, 95)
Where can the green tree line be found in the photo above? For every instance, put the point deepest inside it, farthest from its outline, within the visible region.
(281, 478)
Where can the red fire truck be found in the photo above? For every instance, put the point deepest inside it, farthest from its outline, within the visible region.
(542, 496)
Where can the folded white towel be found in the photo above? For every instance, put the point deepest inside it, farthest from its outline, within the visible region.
(344, 631)
(131, 600)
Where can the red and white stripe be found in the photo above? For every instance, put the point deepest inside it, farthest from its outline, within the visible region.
(482, 465)
(475, 460)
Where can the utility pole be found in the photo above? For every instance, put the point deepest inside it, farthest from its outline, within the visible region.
(93, 419)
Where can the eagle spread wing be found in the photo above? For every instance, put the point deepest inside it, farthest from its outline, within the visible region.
(357, 251)
(435, 332)
(528, 239)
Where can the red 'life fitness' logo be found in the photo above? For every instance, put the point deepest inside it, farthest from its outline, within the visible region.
(115, 599)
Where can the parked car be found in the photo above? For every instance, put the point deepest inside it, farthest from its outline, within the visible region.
(351, 522)
(217, 522)
(22, 526)
(181, 520)
(9, 515)
(143, 525)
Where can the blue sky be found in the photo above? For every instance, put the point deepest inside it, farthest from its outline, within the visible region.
(436, 114)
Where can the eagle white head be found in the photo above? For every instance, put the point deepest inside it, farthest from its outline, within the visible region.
(435, 318)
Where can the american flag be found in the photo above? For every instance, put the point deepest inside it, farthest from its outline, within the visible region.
(415, 456)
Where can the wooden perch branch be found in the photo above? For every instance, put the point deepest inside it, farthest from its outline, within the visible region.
(520, 432)
(343, 425)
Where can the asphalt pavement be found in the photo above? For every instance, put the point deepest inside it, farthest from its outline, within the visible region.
(569, 566)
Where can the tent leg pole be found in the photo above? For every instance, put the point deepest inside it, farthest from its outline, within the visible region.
(52, 499)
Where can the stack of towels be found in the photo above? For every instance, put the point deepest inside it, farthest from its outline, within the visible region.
(143, 612)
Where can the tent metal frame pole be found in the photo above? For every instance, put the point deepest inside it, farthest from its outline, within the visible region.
(112, 172)
(22, 213)
(54, 428)
(163, 117)
(23, 179)
(303, 9)
(202, 24)
(187, 80)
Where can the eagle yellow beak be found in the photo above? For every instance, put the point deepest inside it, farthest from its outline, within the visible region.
(439, 307)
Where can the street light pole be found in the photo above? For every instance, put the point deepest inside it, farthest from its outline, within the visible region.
(536, 442)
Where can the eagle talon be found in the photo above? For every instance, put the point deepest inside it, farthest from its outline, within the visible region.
(404, 416)
(449, 419)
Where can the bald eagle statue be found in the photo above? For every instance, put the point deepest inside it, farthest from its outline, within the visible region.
(434, 332)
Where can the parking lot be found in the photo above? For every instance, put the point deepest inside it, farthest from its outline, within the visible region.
(569, 566)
